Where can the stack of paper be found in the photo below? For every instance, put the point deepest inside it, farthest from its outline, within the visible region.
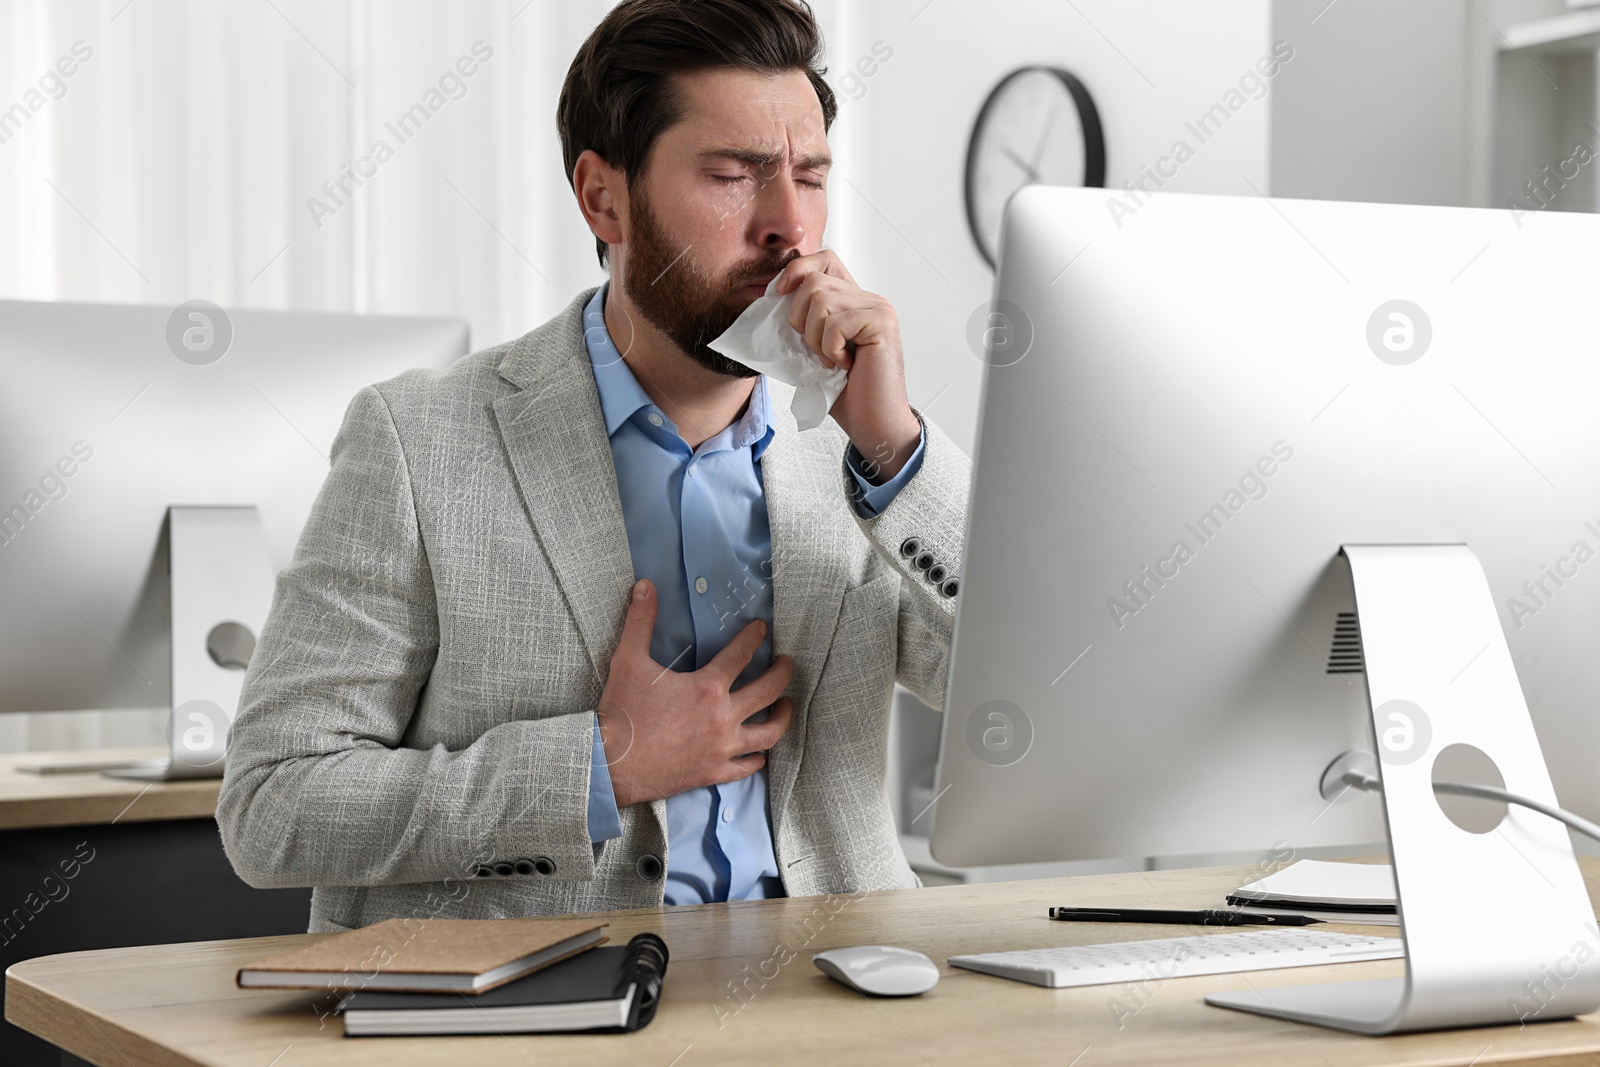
(1333, 892)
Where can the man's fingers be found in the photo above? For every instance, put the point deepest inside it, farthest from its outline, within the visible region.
(764, 735)
(816, 320)
(757, 694)
(796, 271)
(823, 261)
(736, 654)
(807, 293)
(641, 620)
(836, 332)
(742, 767)
(831, 323)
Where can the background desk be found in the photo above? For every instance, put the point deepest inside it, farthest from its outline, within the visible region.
(177, 1004)
(157, 872)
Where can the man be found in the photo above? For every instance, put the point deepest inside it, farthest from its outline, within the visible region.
(585, 622)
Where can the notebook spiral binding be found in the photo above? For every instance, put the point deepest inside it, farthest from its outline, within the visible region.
(647, 966)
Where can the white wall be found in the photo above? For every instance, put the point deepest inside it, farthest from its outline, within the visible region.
(1544, 105)
(1150, 64)
(1425, 103)
(1375, 104)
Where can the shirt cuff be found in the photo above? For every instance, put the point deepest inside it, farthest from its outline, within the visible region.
(605, 822)
(870, 500)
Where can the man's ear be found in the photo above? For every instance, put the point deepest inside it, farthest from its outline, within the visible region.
(602, 193)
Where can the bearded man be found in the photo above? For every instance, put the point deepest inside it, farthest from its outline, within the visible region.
(585, 622)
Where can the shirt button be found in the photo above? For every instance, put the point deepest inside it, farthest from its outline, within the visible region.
(655, 420)
(699, 585)
(727, 814)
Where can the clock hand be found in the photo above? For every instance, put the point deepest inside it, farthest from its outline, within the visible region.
(1044, 135)
(1033, 175)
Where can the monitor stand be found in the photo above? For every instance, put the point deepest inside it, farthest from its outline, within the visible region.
(221, 579)
(1498, 926)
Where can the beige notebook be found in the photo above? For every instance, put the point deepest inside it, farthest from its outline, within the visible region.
(426, 955)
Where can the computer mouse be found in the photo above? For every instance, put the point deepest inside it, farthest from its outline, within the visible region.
(879, 970)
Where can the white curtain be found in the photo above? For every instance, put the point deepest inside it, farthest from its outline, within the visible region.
(186, 153)
(180, 160)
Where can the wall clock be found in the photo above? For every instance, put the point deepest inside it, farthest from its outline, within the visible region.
(1039, 125)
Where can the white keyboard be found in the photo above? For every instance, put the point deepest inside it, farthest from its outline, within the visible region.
(1179, 957)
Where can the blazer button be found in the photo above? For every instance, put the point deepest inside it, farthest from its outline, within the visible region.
(951, 586)
(924, 560)
(504, 869)
(544, 865)
(910, 547)
(524, 866)
(938, 573)
(649, 867)
(483, 872)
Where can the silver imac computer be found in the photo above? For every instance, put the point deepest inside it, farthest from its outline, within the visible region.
(1260, 483)
(156, 466)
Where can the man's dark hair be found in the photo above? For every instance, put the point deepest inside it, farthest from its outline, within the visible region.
(618, 96)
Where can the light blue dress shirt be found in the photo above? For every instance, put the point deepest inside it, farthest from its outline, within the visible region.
(697, 528)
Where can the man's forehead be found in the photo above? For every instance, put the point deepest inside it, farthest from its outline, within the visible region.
(764, 118)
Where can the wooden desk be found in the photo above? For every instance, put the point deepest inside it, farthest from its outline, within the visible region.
(146, 867)
(30, 801)
(177, 1004)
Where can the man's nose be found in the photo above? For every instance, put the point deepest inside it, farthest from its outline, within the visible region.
(779, 222)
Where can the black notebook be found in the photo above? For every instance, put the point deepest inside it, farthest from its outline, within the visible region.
(610, 988)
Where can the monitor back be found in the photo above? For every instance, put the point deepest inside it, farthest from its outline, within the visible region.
(1153, 651)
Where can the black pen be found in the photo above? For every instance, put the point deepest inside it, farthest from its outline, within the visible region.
(1203, 917)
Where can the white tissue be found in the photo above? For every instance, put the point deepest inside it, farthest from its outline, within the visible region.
(762, 339)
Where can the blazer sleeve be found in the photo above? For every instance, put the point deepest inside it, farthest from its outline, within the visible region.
(320, 789)
(930, 509)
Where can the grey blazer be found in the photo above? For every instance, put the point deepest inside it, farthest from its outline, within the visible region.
(414, 733)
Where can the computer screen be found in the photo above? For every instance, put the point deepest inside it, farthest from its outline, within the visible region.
(1187, 409)
(111, 413)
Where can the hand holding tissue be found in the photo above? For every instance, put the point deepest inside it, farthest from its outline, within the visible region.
(762, 339)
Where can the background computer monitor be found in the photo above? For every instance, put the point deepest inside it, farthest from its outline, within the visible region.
(110, 413)
(1229, 374)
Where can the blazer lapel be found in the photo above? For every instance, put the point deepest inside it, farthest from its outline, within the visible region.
(555, 435)
(800, 475)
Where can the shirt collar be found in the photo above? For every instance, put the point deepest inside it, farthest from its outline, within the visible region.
(621, 395)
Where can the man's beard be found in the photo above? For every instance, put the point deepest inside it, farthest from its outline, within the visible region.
(678, 298)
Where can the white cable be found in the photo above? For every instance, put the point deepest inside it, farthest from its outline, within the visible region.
(1486, 792)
